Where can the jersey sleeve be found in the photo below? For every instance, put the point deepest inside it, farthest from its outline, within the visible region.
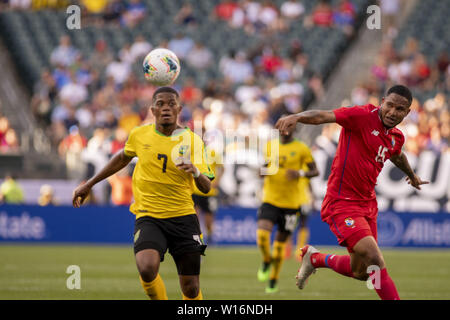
(307, 156)
(130, 145)
(398, 140)
(351, 117)
(200, 159)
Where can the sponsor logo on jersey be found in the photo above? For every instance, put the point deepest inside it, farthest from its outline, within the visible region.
(375, 133)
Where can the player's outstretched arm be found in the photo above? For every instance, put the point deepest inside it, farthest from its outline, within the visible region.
(117, 162)
(287, 124)
(401, 162)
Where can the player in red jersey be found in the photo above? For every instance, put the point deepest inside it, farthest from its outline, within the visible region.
(368, 138)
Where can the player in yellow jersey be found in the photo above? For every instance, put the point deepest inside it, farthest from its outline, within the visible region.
(206, 204)
(171, 159)
(302, 230)
(280, 205)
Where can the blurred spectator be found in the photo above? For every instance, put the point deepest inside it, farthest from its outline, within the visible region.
(128, 119)
(238, 18)
(236, 68)
(199, 57)
(96, 153)
(191, 94)
(181, 45)
(95, 6)
(8, 137)
(119, 140)
(65, 54)
(344, 16)
(268, 16)
(121, 188)
(270, 61)
(44, 95)
(292, 9)
(125, 54)
(389, 11)
(140, 48)
(47, 197)
(61, 75)
(248, 91)
(100, 56)
(20, 4)
(113, 11)
(134, 12)
(10, 191)
(225, 9)
(119, 70)
(185, 16)
(322, 15)
(73, 92)
(70, 149)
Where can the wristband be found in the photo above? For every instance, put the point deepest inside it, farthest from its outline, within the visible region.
(301, 173)
(196, 174)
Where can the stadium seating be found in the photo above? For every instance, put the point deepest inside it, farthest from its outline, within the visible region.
(432, 35)
(31, 37)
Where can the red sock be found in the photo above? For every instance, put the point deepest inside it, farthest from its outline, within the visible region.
(386, 288)
(340, 264)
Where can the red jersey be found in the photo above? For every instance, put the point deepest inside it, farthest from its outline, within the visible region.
(364, 145)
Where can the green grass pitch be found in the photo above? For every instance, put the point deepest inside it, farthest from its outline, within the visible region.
(109, 272)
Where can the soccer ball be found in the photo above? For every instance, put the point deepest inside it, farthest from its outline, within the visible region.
(161, 67)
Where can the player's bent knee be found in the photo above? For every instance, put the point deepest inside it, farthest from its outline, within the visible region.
(148, 265)
(190, 286)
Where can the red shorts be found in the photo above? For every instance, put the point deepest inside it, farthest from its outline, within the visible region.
(350, 221)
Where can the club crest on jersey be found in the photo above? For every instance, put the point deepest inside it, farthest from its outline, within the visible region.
(183, 150)
(349, 222)
(393, 142)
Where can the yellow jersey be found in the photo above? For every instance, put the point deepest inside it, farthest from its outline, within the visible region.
(160, 189)
(214, 159)
(303, 185)
(278, 190)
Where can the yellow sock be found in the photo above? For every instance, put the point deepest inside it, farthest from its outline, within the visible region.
(155, 289)
(263, 242)
(302, 238)
(277, 259)
(198, 297)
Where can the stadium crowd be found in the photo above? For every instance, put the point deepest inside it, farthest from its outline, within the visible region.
(89, 104)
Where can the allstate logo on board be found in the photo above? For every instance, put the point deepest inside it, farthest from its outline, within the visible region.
(390, 229)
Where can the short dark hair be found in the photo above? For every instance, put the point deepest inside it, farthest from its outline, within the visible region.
(165, 89)
(401, 91)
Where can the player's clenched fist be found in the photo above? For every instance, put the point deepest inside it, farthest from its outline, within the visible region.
(80, 194)
(286, 124)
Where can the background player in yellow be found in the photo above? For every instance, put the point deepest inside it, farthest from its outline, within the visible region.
(206, 204)
(171, 159)
(302, 229)
(280, 203)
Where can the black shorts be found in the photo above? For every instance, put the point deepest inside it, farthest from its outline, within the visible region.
(207, 205)
(179, 235)
(285, 219)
